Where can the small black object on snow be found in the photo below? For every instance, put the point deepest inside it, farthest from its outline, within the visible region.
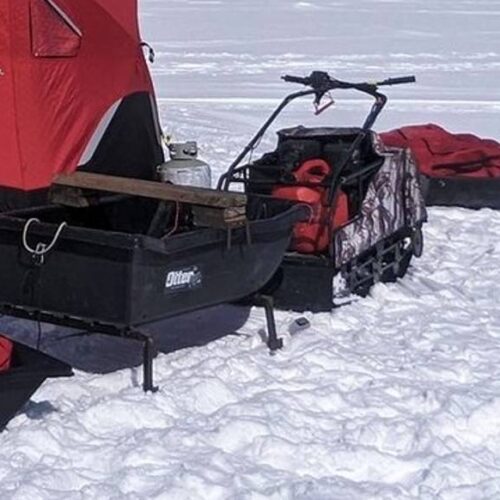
(299, 325)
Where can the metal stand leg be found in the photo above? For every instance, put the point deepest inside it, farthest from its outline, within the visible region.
(273, 342)
(147, 360)
(148, 384)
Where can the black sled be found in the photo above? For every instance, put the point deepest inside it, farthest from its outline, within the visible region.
(124, 261)
(465, 192)
(29, 370)
(103, 267)
(371, 207)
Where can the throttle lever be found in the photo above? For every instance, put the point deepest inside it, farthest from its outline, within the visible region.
(319, 108)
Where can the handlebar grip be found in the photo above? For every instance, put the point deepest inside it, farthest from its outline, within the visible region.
(295, 79)
(398, 81)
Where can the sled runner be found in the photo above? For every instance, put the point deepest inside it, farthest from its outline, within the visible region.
(27, 371)
(365, 204)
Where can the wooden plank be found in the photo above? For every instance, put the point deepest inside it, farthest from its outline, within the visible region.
(219, 218)
(68, 196)
(152, 189)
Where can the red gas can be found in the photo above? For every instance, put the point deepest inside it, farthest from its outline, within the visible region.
(313, 237)
(6, 348)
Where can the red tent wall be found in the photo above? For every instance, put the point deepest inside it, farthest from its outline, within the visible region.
(66, 66)
(9, 150)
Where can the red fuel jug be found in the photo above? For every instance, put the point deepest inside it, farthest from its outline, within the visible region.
(313, 237)
(6, 348)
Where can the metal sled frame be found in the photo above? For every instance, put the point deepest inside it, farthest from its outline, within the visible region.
(273, 341)
(320, 84)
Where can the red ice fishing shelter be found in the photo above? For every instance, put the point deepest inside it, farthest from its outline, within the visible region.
(75, 92)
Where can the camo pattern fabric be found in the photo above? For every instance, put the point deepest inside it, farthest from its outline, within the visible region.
(393, 201)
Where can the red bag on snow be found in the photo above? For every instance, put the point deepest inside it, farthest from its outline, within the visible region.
(440, 153)
(6, 348)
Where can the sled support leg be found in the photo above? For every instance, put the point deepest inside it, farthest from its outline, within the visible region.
(147, 360)
(273, 341)
(148, 383)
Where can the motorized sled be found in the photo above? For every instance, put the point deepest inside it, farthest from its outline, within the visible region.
(364, 200)
(22, 372)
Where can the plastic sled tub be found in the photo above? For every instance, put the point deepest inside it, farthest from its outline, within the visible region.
(29, 370)
(103, 267)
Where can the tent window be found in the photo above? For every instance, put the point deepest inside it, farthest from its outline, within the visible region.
(53, 33)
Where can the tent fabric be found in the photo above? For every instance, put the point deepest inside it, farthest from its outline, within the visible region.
(64, 66)
(6, 348)
(52, 34)
(129, 144)
(440, 153)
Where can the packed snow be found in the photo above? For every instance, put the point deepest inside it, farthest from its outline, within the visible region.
(394, 396)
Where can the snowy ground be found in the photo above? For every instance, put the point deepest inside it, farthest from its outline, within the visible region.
(394, 396)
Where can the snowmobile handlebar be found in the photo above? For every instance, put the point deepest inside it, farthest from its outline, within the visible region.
(321, 81)
(297, 79)
(397, 81)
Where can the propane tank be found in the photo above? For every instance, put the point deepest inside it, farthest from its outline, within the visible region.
(184, 168)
